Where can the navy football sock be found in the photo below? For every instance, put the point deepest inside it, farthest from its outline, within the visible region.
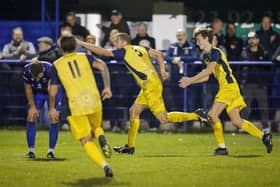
(53, 135)
(31, 134)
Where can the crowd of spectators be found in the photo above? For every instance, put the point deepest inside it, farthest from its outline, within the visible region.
(260, 45)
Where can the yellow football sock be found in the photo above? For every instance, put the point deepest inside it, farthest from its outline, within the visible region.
(252, 129)
(177, 117)
(132, 132)
(98, 131)
(94, 154)
(219, 134)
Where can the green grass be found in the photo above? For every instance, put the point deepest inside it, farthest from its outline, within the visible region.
(177, 160)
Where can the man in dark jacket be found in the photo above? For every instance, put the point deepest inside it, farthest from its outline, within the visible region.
(142, 38)
(47, 50)
(269, 39)
(233, 43)
(117, 22)
(254, 51)
(77, 29)
(254, 80)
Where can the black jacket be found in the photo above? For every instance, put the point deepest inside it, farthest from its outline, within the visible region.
(49, 55)
(121, 27)
(77, 29)
(234, 47)
(138, 39)
(264, 37)
(255, 74)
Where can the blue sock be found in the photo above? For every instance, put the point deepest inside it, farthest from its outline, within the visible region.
(31, 134)
(53, 135)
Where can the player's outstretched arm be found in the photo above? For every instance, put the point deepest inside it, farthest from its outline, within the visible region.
(33, 113)
(160, 60)
(95, 49)
(102, 67)
(203, 76)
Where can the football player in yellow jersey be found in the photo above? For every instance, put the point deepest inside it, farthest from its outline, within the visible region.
(74, 72)
(228, 96)
(138, 61)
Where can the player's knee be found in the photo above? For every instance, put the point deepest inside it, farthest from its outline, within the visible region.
(54, 121)
(162, 118)
(214, 117)
(133, 112)
(86, 139)
(163, 121)
(31, 120)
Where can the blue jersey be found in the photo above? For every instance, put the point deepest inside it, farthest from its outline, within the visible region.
(38, 86)
(187, 52)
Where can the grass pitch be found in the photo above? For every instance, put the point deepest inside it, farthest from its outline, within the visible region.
(177, 160)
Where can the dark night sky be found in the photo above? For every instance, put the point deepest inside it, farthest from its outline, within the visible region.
(196, 9)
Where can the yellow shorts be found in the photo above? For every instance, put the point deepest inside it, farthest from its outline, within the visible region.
(230, 96)
(151, 95)
(82, 126)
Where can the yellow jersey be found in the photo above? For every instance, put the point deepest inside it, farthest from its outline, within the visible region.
(74, 72)
(138, 62)
(222, 71)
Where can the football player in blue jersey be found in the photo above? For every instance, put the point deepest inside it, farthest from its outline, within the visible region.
(36, 78)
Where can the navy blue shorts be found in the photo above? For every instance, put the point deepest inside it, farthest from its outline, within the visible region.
(41, 98)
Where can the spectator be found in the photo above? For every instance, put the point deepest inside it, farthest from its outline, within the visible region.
(18, 48)
(181, 51)
(216, 44)
(111, 44)
(269, 39)
(89, 39)
(142, 38)
(47, 50)
(254, 80)
(217, 26)
(117, 23)
(65, 28)
(254, 51)
(77, 29)
(233, 43)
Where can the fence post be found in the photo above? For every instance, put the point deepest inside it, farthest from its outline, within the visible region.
(56, 19)
(43, 15)
(185, 106)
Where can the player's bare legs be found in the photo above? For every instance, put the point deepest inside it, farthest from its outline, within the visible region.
(214, 114)
(95, 155)
(134, 116)
(250, 128)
